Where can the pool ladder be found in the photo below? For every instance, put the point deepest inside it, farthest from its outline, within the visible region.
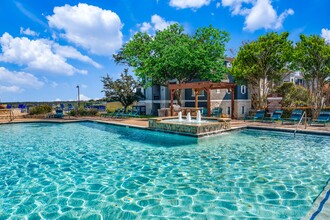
(304, 114)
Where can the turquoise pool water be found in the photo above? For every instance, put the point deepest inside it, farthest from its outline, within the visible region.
(90, 170)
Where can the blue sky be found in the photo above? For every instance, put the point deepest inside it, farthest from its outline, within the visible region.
(49, 47)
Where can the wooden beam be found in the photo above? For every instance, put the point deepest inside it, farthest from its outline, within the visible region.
(200, 85)
(171, 106)
(208, 93)
(196, 98)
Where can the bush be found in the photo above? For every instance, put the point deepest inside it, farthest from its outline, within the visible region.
(84, 112)
(41, 109)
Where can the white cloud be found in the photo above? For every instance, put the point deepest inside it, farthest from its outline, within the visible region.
(195, 4)
(84, 98)
(28, 32)
(70, 52)
(19, 78)
(14, 89)
(157, 23)
(217, 5)
(325, 33)
(261, 15)
(90, 27)
(57, 100)
(41, 54)
(54, 84)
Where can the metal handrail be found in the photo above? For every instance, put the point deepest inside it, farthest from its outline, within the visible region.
(304, 114)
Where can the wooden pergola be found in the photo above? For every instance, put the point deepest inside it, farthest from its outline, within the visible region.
(207, 87)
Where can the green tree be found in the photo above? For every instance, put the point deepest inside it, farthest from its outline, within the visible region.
(173, 55)
(293, 96)
(261, 63)
(125, 89)
(312, 59)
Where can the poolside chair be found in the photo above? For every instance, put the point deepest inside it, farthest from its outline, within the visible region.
(59, 113)
(70, 107)
(204, 112)
(9, 106)
(259, 116)
(135, 112)
(276, 116)
(22, 107)
(322, 119)
(216, 112)
(294, 117)
(62, 106)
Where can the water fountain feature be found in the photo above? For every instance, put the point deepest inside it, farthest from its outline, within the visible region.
(199, 116)
(192, 126)
(188, 118)
(180, 116)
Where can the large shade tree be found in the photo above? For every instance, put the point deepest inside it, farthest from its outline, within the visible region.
(312, 59)
(125, 89)
(172, 54)
(261, 63)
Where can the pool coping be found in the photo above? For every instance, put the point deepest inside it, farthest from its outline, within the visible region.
(321, 206)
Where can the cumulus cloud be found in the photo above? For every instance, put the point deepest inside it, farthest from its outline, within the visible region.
(70, 52)
(261, 15)
(90, 27)
(325, 33)
(157, 23)
(217, 5)
(194, 4)
(19, 78)
(14, 89)
(41, 55)
(82, 97)
(28, 32)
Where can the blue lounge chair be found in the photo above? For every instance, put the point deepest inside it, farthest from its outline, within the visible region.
(260, 114)
(294, 118)
(70, 107)
(58, 113)
(276, 116)
(9, 106)
(322, 119)
(62, 106)
(216, 112)
(204, 111)
(22, 107)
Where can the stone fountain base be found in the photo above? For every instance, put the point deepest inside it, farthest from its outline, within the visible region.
(208, 127)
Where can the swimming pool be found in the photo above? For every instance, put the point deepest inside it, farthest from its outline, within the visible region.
(89, 170)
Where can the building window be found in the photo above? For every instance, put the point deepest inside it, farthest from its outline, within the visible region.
(243, 89)
(201, 93)
(243, 110)
(292, 79)
(228, 110)
(228, 91)
(218, 90)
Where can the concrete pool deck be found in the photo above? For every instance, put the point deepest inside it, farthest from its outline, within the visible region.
(321, 207)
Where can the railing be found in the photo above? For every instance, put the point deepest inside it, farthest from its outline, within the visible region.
(304, 114)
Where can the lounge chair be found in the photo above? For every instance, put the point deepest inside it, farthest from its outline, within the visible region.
(70, 107)
(294, 117)
(22, 107)
(9, 106)
(216, 112)
(260, 114)
(322, 119)
(204, 112)
(276, 116)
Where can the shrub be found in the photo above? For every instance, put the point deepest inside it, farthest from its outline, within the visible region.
(41, 109)
(84, 112)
